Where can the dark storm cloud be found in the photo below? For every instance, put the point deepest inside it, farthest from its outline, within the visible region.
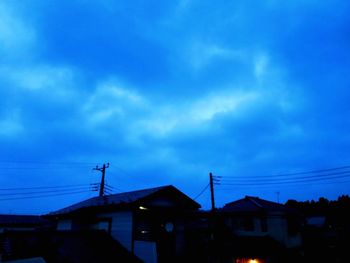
(170, 91)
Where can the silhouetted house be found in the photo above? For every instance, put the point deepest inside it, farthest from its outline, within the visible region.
(28, 260)
(91, 246)
(150, 223)
(264, 226)
(316, 221)
(18, 223)
(21, 223)
(323, 242)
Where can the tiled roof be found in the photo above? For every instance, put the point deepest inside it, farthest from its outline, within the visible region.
(253, 204)
(118, 199)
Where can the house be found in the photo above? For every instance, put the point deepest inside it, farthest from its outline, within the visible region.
(261, 223)
(64, 246)
(150, 223)
(316, 221)
(18, 223)
(27, 260)
(21, 222)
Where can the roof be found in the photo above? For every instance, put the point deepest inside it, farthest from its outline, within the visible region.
(127, 198)
(21, 220)
(254, 204)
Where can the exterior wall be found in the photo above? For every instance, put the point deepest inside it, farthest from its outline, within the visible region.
(180, 237)
(277, 228)
(146, 250)
(121, 227)
(294, 241)
(65, 224)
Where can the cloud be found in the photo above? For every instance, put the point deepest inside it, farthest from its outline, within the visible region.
(260, 65)
(11, 125)
(56, 81)
(170, 91)
(200, 55)
(167, 120)
(17, 37)
(111, 101)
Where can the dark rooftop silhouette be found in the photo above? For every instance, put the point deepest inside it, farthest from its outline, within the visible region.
(21, 220)
(126, 198)
(253, 204)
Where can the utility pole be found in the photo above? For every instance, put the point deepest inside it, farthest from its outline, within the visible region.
(212, 191)
(212, 219)
(103, 171)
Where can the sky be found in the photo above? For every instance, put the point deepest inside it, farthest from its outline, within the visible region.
(168, 91)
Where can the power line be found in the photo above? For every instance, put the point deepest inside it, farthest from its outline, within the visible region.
(325, 176)
(47, 162)
(122, 170)
(260, 182)
(316, 171)
(17, 166)
(43, 196)
(48, 191)
(320, 176)
(273, 186)
(291, 184)
(201, 192)
(114, 189)
(46, 187)
(43, 168)
(319, 171)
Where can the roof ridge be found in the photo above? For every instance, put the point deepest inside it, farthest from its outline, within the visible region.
(139, 190)
(251, 199)
(117, 199)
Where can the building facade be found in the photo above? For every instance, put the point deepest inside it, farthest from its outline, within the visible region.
(150, 223)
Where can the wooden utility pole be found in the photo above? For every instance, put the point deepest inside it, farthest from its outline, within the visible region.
(103, 171)
(212, 191)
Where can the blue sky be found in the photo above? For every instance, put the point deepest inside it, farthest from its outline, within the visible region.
(168, 91)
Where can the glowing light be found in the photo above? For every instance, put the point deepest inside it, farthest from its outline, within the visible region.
(143, 208)
(249, 260)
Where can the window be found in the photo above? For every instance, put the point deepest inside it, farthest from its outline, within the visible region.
(243, 223)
